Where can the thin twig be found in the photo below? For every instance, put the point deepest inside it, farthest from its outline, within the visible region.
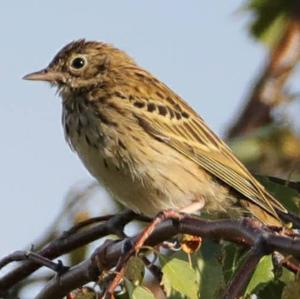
(98, 219)
(284, 261)
(40, 260)
(86, 223)
(140, 241)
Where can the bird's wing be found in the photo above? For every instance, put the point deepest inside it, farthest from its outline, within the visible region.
(187, 133)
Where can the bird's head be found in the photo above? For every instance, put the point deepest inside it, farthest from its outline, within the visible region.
(81, 65)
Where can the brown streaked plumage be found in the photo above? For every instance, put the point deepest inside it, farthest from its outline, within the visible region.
(143, 142)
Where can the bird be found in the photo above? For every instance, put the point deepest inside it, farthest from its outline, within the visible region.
(144, 143)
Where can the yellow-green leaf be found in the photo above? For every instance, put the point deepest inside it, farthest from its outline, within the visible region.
(135, 270)
(138, 292)
(180, 276)
(269, 19)
(141, 293)
(262, 274)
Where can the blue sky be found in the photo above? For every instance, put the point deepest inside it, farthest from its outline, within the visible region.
(200, 49)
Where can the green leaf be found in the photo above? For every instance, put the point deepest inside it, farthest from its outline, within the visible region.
(209, 266)
(141, 293)
(138, 292)
(262, 274)
(271, 34)
(270, 18)
(135, 270)
(178, 275)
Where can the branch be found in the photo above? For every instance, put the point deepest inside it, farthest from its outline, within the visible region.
(38, 259)
(268, 91)
(66, 244)
(280, 260)
(245, 232)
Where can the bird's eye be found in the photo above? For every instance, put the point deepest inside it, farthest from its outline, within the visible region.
(78, 62)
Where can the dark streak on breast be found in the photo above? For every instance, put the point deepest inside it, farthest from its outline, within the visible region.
(105, 163)
(104, 119)
(155, 149)
(121, 144)
(119, 95)
(88, 141)
(116, 108)
(80, 108)
(78, 128)
(136, 138)
(102, 99)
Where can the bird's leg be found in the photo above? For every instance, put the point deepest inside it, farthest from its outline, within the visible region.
(190, 243)
(161, 217)
(195, 206)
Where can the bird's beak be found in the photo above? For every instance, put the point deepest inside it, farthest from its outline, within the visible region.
(44, 75)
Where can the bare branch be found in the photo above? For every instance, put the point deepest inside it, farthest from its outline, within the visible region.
(64, 245)
(268, 91)
(280, 260)
(40, 260)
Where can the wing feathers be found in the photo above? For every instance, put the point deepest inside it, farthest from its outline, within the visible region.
(193, 139)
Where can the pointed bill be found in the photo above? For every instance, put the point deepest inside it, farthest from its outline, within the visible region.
(44, 75)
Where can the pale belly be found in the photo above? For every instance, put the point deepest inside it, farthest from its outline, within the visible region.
(164, 181)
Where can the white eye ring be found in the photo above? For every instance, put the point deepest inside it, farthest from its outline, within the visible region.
(78, 63)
